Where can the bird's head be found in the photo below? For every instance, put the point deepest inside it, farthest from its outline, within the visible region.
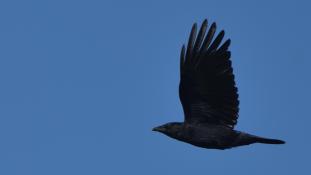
(171, 129)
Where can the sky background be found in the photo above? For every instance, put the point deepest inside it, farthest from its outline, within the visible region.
(82, 83)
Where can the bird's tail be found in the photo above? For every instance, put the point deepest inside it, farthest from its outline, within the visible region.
(246, 139)
(269, 141)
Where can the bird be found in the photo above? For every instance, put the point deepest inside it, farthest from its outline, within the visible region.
(209, 95)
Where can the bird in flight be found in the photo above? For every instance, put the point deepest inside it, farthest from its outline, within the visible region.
(209, 95)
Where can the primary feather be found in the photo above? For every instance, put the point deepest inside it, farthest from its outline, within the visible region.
(207, 88)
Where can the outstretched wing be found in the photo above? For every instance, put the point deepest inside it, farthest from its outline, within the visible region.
(207, 88)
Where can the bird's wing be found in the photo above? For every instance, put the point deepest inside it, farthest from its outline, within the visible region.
(207, 88)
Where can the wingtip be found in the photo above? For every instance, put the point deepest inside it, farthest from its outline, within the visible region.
(204, 22)
(182, 52)
(213, 25)
(194, 26)
(229, 41)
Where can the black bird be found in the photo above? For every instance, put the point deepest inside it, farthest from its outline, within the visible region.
(209, 95)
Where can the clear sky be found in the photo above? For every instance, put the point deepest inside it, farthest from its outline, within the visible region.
(83, 82)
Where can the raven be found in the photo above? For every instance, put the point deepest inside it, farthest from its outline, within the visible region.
(209, 95)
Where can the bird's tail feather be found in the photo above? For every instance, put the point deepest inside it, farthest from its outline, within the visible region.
(269, 141)
(246, 139)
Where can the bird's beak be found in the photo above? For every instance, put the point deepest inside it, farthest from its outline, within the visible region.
(159, 129)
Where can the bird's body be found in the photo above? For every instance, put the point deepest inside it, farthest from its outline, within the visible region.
(214, 136)
(209, 95)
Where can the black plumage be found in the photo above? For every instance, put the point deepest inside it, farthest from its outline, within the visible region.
(209, 95)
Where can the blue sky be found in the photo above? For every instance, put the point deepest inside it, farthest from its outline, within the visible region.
(83, 82)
